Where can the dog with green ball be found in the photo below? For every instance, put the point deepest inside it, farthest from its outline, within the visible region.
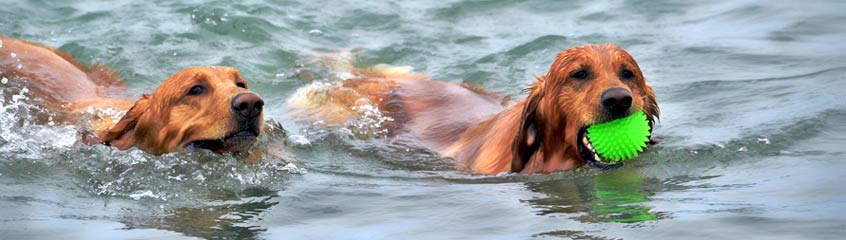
(610, 143)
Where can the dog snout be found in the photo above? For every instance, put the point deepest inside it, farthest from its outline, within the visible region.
(247, 105)
(616, 101)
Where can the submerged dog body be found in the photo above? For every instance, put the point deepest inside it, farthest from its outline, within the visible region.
(542, 133)
(198, 107)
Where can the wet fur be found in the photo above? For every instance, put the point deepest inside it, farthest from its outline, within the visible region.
(157, 123)
(537, 134)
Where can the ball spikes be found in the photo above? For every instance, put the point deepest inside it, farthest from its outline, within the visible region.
(620, 139)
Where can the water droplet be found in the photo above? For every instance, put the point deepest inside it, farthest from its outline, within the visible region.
(13, 55)
(20, 66)
(4, 80)
(1, 43)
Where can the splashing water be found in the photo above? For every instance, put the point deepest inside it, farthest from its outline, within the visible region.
(370, 121)
(177, 176)
(29, 134)
(21, 129)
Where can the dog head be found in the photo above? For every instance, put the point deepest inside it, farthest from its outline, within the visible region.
(199, 107)
(585, 85)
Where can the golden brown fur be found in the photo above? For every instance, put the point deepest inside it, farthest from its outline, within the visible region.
(535, 135)
(167, 120)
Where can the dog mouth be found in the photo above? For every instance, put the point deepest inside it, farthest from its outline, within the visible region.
(588, 153)
(235, 141)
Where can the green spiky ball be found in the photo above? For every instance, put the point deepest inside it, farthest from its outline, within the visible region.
(620, 139)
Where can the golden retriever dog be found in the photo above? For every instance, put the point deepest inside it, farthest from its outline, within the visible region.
(540, 134)
(196, 108)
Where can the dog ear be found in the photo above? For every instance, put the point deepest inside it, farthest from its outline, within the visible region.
(650, 105)
(527, 142)
(123, 134)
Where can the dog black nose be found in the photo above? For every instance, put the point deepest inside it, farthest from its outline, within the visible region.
(247, 105)
(616, 101)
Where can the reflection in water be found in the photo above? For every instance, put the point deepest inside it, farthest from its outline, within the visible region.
(219, 219)
(613, 196)
(618, 195)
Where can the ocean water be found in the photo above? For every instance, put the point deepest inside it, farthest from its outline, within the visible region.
(753, 122)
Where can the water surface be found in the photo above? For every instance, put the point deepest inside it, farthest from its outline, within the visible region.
(751, 94)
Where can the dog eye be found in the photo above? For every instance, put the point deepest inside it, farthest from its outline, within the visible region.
(626, 74)
(241, 85)
(196, 90)
(580, 75)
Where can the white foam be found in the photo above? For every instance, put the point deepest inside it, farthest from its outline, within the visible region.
(137, 195)
(292, 168)
(200, 177)
(20, 132)
(370, 121)
(299, 140)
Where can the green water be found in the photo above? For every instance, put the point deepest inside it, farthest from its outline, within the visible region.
(750, 93)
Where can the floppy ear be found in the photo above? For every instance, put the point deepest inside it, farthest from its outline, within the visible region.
(122, 135)
(650, 106)
(528, 139)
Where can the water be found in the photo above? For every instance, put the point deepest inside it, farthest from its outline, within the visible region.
(750, 93)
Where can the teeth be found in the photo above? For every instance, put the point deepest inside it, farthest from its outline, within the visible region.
(587, 144)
